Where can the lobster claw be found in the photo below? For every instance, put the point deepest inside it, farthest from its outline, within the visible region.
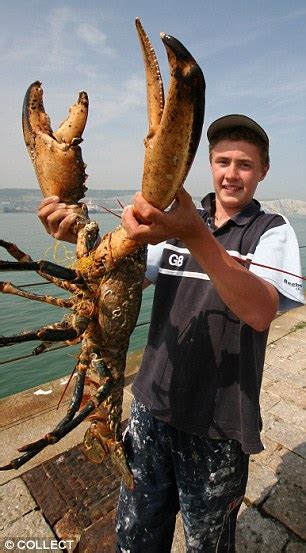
(175, 129)
(175, 126)
(56, 156)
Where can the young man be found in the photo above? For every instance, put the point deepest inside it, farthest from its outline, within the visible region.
(196, 418)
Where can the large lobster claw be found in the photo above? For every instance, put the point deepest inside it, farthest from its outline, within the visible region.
(56, 156)
(175, 127)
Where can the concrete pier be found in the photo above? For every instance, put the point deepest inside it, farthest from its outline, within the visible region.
(61, 498)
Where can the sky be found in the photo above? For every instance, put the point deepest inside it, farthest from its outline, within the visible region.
(253, 56)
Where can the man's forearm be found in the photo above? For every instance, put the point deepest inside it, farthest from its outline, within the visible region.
(251, 298)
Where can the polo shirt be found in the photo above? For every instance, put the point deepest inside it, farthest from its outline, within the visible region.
(202, 367)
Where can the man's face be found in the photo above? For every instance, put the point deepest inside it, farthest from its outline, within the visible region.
(236, 170)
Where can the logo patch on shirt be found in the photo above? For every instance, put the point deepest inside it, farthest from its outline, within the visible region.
(293, 284)
(176, 260)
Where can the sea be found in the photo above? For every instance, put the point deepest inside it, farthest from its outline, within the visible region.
(19, 370)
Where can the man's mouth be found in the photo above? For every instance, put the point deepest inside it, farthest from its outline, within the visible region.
(231, 188)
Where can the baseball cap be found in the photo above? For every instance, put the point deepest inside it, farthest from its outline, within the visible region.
(236, 120)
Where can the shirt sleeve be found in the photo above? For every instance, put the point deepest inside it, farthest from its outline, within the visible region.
(154, 256)
(278, 250)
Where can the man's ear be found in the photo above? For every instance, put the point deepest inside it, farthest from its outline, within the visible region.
(264, 172)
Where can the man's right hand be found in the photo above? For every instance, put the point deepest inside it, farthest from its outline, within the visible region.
(57, 219)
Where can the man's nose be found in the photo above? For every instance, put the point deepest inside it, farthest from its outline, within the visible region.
(231, 171)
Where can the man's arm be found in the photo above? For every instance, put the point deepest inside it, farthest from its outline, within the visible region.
(250, 297)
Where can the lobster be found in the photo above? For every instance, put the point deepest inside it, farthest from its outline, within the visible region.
(106, 281)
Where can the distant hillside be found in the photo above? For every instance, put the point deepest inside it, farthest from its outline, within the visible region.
(12, 194)
(27, 199)
(285, 207)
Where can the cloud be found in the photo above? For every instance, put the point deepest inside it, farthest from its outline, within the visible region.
(231, 35)
(272, 87)
(214, 45)
(113, 102)
(62, 38)
(91, 35)
(71, 30)
(295, 14)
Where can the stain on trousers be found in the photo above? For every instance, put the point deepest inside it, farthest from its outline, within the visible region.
(205, 479)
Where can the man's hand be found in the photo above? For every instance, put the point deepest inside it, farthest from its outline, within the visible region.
(149, 225)
(57, 219)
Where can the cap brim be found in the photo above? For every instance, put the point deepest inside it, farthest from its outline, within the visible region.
(236, 120)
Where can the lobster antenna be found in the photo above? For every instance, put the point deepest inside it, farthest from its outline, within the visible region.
(110, 211)
(120, 203)
(65, 389)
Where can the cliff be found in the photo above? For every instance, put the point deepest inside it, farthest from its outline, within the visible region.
(27, 200)
(285, 207)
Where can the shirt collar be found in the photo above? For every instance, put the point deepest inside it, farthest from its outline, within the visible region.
(241, 218)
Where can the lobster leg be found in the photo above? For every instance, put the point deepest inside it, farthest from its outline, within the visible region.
(63, 428)
(26, 263)
(58, 332)
(81, 369)
(47, 266)
(68, 286)
(14, 251)
(40, 266)
(9, 288)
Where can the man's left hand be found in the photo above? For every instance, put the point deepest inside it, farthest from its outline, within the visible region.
(147, 224)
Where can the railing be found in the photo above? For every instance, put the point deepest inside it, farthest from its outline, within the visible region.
(53, 348)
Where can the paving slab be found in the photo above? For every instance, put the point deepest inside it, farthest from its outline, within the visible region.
(272, 451)
(287, 504)
(286, 434)
(286, 377)
(288, 411)
(295, 547)
(291, 392)
(256, 534)
(260, 483)
(32, 525)
(266, 381)
(178, 545)
(15, 502)
(268, 400)
(290, 467)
